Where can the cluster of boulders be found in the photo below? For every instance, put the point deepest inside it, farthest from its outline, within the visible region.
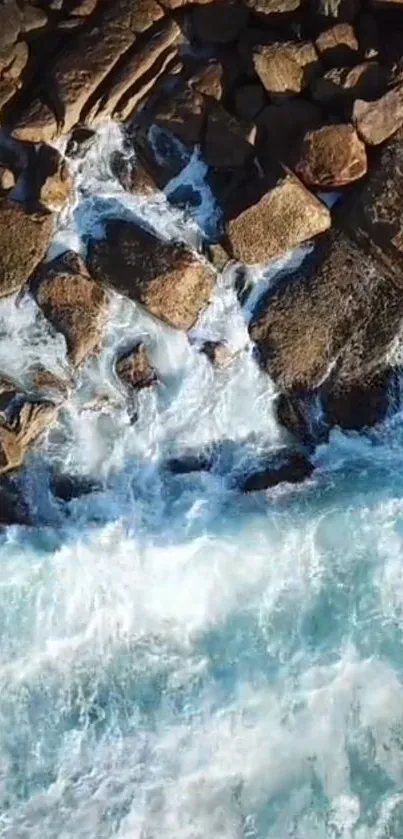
(286, 100)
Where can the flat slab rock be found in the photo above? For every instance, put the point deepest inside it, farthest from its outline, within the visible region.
(338, 314)
(74, 303)
(24, 240)
(167, 279)
(286, 216)
(372, 214)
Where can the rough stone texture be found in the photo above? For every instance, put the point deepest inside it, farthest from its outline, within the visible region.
(287, 215)
(83, 8)
(33, 18)
(332, 156)
(220, 22)
(282, 128)
(53, 182)
(227, 141)
(249, 101)
(182, 114)
(329, 325)
(21, 430)
(273, 7)
(10, 27)
(24, 240)
(134, 368)
(143, 60)
(168, 280)
(7, 179)
(373, 214)
(338, 45)
(341, 86)
(283, 466)
(81, 68)
(376, 121)
(285, 69)
(74, 303)
(132, 175)
(47, 383)
(209, 80)
(168, 63)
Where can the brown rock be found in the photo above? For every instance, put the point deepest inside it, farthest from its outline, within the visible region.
(53, 181)
(209, 80)
(285, 216)
(168, 280)
(18, 433)
(227, 141)
(19, 60)
(372, 215)
(220, 22)
(273, 7)
(20, 254)
(46, 382)
(285, 69)
(132, 175)
(81, 68)
(338, 313)
(177, 4)
(33, 18)
(342, 86)
(134, 368)
(218, 353)
(282, 128)
(142, 61)
(74, 303)
(332, 156)
(83, 8)
(249, 101)
(376, 121)
(338, 45)
(7, 179)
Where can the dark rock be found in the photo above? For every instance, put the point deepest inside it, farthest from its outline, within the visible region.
(10, 28)
(186, 464)
(286, 216)
(80, 140)
(340, 87)
(132, 174)
(227, 142)
(331, 157)
(13, 509)
(220, 22)
(168, 280)
(218, 353)
(282, 128)
(342, 10)
(283, 466)
(33, 18)
(209, 80)
(372, 215)
(183, 114)
(68, 487)
(74, 303)
(249, 101)
(273, 7)
(49, 178)
(134, 368)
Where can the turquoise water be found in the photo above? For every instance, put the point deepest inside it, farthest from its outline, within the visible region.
(178, 661)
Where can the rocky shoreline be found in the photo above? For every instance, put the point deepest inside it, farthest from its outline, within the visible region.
(286, 102)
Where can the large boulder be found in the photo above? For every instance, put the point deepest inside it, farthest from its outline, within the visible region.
(74, 303)
(329, 327)
(332, 156)
(285, 68)
(372, 214)
(167, 279)
(82, 67)
(286, 216)
(24, 240)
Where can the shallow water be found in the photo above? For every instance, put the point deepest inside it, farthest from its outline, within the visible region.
(177, 660)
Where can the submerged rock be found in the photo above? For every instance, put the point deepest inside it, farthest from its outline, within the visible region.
(286, 216)
(284, 466)
(218, 353)
(167, 279)
(134, 368)
(74, 303)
